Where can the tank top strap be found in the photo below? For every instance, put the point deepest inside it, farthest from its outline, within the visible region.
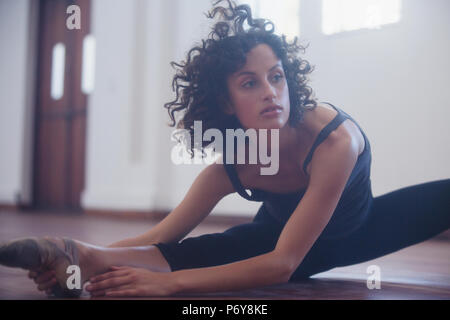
(324, 133)
(230, 168)
(256, 195)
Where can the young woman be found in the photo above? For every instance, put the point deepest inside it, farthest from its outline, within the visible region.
(318, 211)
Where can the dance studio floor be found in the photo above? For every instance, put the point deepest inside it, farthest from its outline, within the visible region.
(421, 271)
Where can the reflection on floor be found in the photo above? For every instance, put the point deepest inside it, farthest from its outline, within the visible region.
(421, 271)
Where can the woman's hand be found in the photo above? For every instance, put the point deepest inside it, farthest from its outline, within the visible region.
(44, 280)
(131, 282)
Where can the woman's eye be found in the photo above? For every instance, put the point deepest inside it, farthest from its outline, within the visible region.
(245, 85)
(280, 76)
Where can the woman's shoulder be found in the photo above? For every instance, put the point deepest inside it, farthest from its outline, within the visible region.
(347, 129)
(317, 121)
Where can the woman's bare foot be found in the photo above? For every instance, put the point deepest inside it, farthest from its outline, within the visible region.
(50, 256)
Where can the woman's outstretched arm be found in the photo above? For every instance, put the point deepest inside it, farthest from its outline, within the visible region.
(266, 269)
(258, 271)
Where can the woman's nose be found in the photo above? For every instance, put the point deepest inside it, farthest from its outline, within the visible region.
(269, 91)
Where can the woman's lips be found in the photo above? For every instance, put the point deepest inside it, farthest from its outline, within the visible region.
(271, 111)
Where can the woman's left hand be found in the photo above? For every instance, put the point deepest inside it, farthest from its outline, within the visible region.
(130, 282)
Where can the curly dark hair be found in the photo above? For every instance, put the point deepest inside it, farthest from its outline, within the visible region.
(200, 82)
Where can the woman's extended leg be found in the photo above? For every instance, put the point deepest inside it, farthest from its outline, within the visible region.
(397, 220)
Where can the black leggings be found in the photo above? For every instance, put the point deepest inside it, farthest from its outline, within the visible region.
(396, 220)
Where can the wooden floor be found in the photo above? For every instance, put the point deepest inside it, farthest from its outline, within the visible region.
(421, 271)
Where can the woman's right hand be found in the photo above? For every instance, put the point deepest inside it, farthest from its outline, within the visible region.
(44, 280)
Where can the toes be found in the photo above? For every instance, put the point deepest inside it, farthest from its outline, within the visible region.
(22, 253)
(40, 255)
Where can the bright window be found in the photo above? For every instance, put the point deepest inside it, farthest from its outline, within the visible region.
(284, 14)
(348, 15)
(58, 71)
(88, 67)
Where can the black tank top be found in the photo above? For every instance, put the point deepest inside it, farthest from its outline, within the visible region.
(355, 201)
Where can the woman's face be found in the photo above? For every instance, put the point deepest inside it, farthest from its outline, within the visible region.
(261, 83)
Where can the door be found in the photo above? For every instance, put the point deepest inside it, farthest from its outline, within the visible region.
(60, 123)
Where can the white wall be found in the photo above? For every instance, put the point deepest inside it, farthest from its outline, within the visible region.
(393, 81)
(116, 174)
(18, 20)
